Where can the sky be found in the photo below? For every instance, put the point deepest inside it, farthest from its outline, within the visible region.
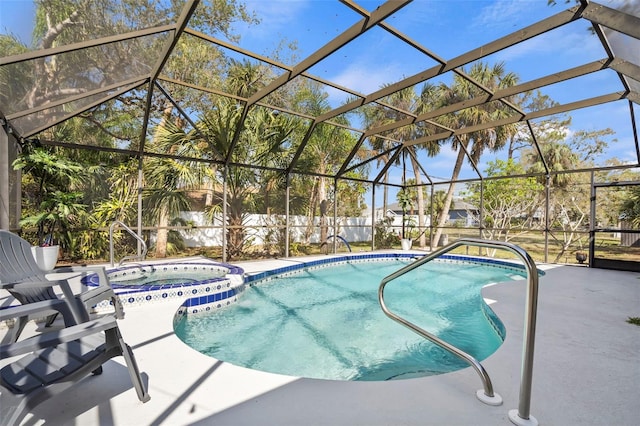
(447, 28)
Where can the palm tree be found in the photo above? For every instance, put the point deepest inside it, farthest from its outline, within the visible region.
(325, 149)
(262, 141)
(475, 143)
(559, 158)
(403, 100)
(168, 181)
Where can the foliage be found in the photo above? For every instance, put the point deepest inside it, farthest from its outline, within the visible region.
(52, 207)
(492, 77)
(634, 320)
(631, 207)
(275, 236)
(405, 200)
(436, 205)
(384, 234)
(510, 204)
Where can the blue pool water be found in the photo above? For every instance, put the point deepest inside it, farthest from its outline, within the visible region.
(168, 274)
(326, 322)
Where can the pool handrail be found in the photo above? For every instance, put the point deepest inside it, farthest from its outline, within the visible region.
(140, 256)
(346, 243)
(522, 415)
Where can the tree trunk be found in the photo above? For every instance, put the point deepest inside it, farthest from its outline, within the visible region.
(421, 221)
(322, 197)
(385, 195)
(449, 197)
(163, 219)
(162, 234)
(313, 202)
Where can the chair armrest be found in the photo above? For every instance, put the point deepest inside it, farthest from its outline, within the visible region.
(42, 307)
(27, 284)
(86, 270)
(94, 295)
(79, 311)
(54, 338)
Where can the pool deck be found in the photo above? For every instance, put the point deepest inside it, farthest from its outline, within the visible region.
(586, 371)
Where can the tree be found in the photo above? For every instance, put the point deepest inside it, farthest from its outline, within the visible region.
(263, 138)
(168, 181)
(324, 152)
(492, 77)
(62, 22)
(630, 210)
(510, 205)
(403, 100)
(53, 206)
(436, 205)
(563, 151)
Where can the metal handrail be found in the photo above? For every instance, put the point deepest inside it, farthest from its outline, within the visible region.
(522, 415)
(140, 256)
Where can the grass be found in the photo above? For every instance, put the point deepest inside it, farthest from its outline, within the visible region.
(533, 242)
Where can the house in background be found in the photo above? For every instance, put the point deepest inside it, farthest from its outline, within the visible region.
(463, 213)
(460, 212)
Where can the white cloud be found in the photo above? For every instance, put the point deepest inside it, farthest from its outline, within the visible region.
(362, 77)
(561, 42)
(502, 13)
(275, 15)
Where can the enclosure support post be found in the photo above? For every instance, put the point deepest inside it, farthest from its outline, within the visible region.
(224, 214)
(287, 217)
(140, 176)
(143, 139)
(373, 216)
(547, 185)
(592, 221)
(4, 181)
(431, 218)
(335, 215)
(481, 224)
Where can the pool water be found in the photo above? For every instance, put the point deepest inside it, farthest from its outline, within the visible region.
(166, 275)
(326, 323)
(159, 278)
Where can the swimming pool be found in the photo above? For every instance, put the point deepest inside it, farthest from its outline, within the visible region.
(325, 321)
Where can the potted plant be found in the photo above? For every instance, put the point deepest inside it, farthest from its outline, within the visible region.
(406, 203)
(46, 256)
(57, 210)
(581, 256)
(51, 207)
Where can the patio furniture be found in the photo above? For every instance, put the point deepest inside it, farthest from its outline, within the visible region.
(53, 361)
(18, 266)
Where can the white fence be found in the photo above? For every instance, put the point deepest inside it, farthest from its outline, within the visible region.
(260, 227)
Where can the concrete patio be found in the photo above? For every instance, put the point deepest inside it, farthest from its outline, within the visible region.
(586, 371)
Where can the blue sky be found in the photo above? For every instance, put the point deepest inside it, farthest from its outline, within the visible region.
(447, 28)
